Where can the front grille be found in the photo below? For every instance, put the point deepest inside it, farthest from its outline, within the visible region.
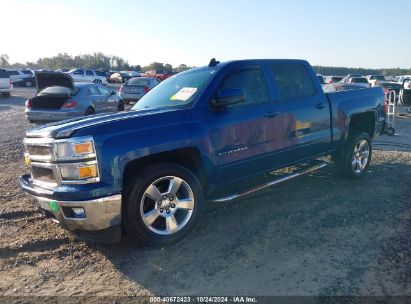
(43, 174)
(38, 150)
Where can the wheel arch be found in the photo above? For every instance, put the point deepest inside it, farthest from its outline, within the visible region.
(362, 122)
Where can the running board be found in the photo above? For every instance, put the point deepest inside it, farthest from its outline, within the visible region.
(316, 166)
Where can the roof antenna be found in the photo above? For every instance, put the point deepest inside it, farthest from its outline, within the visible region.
(213, 63)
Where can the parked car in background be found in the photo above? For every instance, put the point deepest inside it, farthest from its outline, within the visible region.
(59, 98)
(159, 74)
(104, 74)
(86, 75)
(6, 85)
(347, 78)
(374, 78)
(405, 92)
(136, 87)
(21, 77)
(389, 86)
(333, 79)
(133, 73)
(120, 77)
(338, 86)
(359, 81)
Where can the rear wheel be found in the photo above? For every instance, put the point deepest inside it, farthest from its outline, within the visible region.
(355, 158)
(90, 111)
(163, 204)
(28, 83)
(7, 94)
(97, 81)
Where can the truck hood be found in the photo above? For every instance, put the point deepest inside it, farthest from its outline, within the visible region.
(50, 79)
(66, 128)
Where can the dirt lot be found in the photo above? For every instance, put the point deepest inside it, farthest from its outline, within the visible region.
(316, 235)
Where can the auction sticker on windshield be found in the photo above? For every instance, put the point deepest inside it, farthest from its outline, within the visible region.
(184, 94)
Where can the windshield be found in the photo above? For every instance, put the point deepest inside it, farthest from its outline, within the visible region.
(138, 81)
(175, 91)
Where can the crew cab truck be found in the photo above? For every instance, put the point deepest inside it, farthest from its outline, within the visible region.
(204, 135)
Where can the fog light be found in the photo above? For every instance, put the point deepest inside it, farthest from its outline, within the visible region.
(78, 212)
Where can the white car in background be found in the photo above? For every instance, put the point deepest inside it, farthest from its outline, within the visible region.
(6, 86)
(361, 81)
(372, 79)
(20, 77)
(86, 75)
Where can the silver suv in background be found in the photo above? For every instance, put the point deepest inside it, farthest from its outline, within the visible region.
(86, 75)
(6, 85)
(21, 77)
(136, 87)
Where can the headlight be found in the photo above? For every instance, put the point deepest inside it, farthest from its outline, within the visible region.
(74, 172)
(75, 148)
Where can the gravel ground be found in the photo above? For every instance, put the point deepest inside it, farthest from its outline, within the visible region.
(316, 235)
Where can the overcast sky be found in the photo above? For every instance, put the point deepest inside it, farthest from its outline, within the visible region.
(361, 33)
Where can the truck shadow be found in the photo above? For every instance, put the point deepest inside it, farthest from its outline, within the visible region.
(300, 237)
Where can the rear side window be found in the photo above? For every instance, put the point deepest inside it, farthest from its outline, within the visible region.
(89, 73)
(93, 90)
(79, 72)
(4, 74)
(292, 81)
(138, 81)
(27, 72)
(13, 73)
(252, 82)
(100, 73)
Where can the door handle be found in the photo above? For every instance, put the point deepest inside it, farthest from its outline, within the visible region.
(320, 105)
(271, 114)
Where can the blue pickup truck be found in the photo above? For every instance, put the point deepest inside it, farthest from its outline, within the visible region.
(210, 134)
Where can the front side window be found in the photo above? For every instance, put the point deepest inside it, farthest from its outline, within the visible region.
(292, 81)
(79, 72)
(253, 84)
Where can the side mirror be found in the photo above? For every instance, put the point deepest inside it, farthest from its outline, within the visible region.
(228, 97)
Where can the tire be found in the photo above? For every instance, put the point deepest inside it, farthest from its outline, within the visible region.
(165, 222)
(354, 160)
(90, 111)
(120, 106)
(97, 81)
(6, 95)
(28, 84)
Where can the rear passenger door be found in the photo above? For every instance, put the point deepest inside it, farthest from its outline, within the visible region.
(109, 100)
(89, 76)
(306, 112)
(78, 75)
(99, 102)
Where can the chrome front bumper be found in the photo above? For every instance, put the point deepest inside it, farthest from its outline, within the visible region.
(100, 214)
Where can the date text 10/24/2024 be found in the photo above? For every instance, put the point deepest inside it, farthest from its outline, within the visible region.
(203, 299)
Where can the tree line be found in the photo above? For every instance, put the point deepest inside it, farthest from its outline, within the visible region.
(95, 61)
(100, 61)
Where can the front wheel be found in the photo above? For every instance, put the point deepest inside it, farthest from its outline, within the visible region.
(97, 81)
(355, 158)
(163, 204)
